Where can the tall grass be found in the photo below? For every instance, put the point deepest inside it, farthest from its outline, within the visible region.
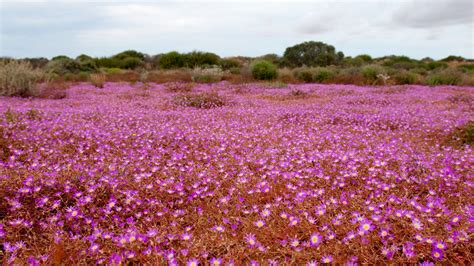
(19, 78)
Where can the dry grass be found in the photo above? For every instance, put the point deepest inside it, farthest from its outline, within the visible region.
(98, 80)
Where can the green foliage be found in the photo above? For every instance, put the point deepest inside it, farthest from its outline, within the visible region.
(467, 68)
(263, 70)
(448, 77)
(323, 74)
(312, 54)
(352, 62)
(130, 63)
(171, 60)
(63, 66)
(203, 100)
(405, 77)
(435, 65)
(84, 58)
(365, 58)
(371, 73)
(273, 58)
(452, 58)
(228, 64)
(130, 54)
(19, 78)
(304, 74)
(400, 62)
(113, 70)
(60, 57)
(38, 62)
(200, 59)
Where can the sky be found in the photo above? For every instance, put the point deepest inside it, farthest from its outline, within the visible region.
(418, 28)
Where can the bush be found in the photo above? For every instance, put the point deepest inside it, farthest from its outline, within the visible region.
(130, 54)
(200, 59)
(303, 74)
(203, 100)
(467, 68)
(171, 60)
(207, 75)
(98, 80)
(229, 64)
(372, 73)
(263, 70)
(435, 65)
(18, 78)
(323, 75)
(405, 78)
(130, 63)
(443, 78)
(63, 66)
(452, 58)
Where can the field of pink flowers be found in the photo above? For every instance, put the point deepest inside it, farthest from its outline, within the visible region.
(303, 175)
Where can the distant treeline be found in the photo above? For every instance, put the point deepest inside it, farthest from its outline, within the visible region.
(305, 62)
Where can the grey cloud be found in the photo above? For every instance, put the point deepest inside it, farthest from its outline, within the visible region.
(430, 14)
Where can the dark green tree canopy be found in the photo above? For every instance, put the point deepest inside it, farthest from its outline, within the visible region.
(130, 53)
(312, 54)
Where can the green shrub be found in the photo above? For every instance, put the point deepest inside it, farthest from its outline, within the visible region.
(200, 59)
(263, 70)
(130, 54)
(203, 100)
(113, 70)
(443, 78)
(229, 64)
(323, 74)
(405, 78)
(171, 60)
(371, 73)
(87, 66)
(18, 78)
(63, 66)
(130, 63)
(83, 58)
(452, 58)
(434, 65)
(304, 74)
(467, 68)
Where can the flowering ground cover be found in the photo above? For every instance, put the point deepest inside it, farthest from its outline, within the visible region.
(308, 174)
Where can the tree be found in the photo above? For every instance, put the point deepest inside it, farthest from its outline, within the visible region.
(312, 54)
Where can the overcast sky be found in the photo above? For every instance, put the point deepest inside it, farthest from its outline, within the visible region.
(435, 28)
